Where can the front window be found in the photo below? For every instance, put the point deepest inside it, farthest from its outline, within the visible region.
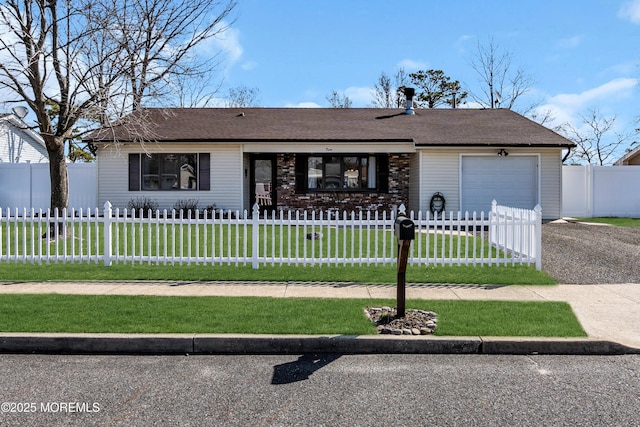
(341, 173)
(169, 172)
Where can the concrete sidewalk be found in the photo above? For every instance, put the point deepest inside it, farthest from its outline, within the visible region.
(610, 314)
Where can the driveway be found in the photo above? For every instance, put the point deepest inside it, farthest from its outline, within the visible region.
(578, 253)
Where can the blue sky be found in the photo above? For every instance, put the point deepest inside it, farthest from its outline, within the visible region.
(581, 54)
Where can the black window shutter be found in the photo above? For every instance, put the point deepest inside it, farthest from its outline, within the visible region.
(383, 173)
(204, 172)
(134, 171)
(301, 173)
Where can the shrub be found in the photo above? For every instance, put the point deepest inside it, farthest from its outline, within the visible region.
(144, 203)
(186, 207)
(211, 210)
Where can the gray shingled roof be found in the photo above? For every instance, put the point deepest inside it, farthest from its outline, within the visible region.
(428, 127)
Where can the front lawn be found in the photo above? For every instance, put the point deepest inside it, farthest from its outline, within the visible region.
(485, 275)
(253, 315)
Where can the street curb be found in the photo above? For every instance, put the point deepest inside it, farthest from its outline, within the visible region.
(203, 344)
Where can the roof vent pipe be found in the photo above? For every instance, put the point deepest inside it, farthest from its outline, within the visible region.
(408, 93)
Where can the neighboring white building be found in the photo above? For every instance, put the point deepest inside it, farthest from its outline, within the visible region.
(18, 143)
(631, 158)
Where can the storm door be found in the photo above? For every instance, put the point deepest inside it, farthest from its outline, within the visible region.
(263, 180)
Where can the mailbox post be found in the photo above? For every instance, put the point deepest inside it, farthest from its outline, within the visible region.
(405, 231)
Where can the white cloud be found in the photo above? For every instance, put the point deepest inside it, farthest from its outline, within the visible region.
(359, 96)
(461, 43)
(569, 43)
(621, 87)
(249, 65)
(227, 41)
(411, 65)
(567, 107)
(630, 11)
(625, 69)
(557, 115)
(304, 104)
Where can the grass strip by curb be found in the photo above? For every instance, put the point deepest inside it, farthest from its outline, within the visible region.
(259, 315)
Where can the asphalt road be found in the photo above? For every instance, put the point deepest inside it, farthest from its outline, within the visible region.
(576, 253)
(334, 390)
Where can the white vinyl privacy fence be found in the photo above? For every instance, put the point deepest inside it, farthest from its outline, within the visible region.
(27, 185)
(110, 236)
(593, 191)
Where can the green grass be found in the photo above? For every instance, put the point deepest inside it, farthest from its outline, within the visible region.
(621, 222)
(159, 314)
(484, 275)
(506, 318)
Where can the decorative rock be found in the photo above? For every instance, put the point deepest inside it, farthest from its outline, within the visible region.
(415, 322)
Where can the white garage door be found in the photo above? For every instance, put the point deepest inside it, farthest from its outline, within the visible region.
(510, 180)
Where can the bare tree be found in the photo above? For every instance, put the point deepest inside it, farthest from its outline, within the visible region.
(502, 84)
(44, 62)
(192, 91)
(159, 37)
(388, 93)
(383, 92)
(596, 141)
(337, 100)
(242, 96)
(85, 56)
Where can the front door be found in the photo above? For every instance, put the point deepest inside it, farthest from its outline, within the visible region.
(263, 180)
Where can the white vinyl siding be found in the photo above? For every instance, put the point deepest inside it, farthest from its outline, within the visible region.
(226, 183)
(440, 174)
(226, 177)
(551, 183)
(18, 147)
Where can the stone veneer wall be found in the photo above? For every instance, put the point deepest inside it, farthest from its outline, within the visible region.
(289, 200)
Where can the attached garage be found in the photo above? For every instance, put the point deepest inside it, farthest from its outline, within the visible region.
(510, 180)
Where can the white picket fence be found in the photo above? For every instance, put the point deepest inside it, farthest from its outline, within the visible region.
(516, 230)
(110, 236)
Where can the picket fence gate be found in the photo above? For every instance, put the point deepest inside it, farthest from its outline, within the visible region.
(502, 236)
